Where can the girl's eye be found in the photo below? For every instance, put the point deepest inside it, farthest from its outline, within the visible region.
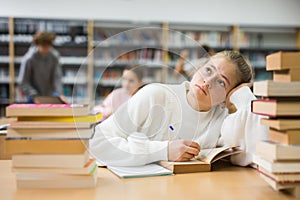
(207, 71)
(221, 83)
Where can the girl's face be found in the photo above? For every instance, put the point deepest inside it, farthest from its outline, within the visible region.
(130, 81)
(211, 83)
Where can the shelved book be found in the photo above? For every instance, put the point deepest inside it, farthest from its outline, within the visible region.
(276, 107)
(17, 110)
(276, 89)
(283, 60)
(202, 162)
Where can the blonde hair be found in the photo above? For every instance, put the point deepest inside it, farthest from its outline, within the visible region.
(243, 67)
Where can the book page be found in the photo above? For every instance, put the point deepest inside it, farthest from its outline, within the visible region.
(212, 155)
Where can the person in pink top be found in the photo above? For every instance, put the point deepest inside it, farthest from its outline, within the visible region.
(132, 80)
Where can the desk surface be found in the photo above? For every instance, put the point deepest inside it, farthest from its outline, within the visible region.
(226, 182)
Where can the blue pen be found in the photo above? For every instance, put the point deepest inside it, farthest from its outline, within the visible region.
(171, 127)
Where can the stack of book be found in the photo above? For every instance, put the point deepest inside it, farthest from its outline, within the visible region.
(49, 142)
(278, 158)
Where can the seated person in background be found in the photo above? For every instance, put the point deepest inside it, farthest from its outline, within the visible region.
(132, 80)
(189, 68)
(40, 73)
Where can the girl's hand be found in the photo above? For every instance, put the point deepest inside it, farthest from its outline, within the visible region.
(182, 150)
(229, 105)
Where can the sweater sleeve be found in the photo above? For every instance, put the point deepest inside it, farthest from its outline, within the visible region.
(57, 75)
(26, 85)
(123, 139)
(243, 128)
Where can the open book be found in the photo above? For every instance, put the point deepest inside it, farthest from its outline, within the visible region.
(202, 162)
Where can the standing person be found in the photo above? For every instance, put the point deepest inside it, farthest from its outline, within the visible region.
(40, 73)
(174, 122)
(132, 79)
(187, 69)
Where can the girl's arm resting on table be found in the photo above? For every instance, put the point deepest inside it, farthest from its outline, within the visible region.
(118, 140)
(134, 150)
(243, 128)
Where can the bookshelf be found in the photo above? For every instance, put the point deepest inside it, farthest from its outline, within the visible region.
(257, 42)
(254, 42)
(94, 52)
(4, 64)
(191, 36)
(218, 37)
(121, 44)
(71, 43)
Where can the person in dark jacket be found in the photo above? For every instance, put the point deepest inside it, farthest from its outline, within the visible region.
(40, 73)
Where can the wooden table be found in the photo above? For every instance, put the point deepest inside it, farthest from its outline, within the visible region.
(225, 182)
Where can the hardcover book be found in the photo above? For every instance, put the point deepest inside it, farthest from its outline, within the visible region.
(56, 180)
(287, 75)
(64, 133)
(91, 118)
(272, 151)
(291, 166)
(87, 168)
(17, 110)
(292, 187)
(289, 137)
(21, 145)
(283, 60)
(276, 108)
(202, 162)
(280, 177)
(49, 125)
(281, 124)
(276, 89)
(38, 161)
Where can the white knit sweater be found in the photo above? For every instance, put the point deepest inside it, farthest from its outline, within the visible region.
(139, 131)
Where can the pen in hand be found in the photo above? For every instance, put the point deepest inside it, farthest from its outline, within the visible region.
(182, 150)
